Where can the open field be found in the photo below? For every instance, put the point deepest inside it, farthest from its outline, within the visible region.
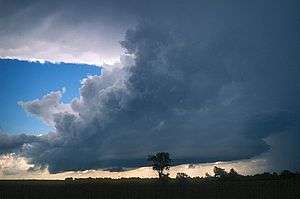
(135, 188)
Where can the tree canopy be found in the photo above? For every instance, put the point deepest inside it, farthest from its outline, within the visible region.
(160, 162)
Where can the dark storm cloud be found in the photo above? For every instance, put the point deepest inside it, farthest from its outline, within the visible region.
(13, 143)
(210, 82)
(285, 150)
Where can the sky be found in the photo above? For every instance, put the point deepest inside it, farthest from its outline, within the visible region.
(96, 86)
(23, 80)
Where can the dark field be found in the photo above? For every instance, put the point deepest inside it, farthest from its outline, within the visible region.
(135, 188)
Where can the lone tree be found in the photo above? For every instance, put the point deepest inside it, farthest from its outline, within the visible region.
(160, 162)
(233, 174)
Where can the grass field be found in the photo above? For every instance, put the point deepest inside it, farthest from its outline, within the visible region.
(136, 188)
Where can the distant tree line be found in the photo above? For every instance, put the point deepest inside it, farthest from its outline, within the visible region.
(161, 162)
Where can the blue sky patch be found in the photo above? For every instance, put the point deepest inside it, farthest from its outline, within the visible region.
(25, 81)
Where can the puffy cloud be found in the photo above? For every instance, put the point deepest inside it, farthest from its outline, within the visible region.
(13, 165)
(205, 87)
(47, 107)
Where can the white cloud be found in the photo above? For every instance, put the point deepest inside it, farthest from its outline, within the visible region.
(13, 165)
(47, 107)
(44, 31)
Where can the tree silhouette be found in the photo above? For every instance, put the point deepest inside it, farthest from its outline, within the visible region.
(219, 172)
(160, 162)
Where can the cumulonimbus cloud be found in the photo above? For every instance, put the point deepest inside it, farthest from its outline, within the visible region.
(201, 88)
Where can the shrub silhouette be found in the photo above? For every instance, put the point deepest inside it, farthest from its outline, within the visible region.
(207, 175)
(219, 172)
(233, 174)
(182, 176)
